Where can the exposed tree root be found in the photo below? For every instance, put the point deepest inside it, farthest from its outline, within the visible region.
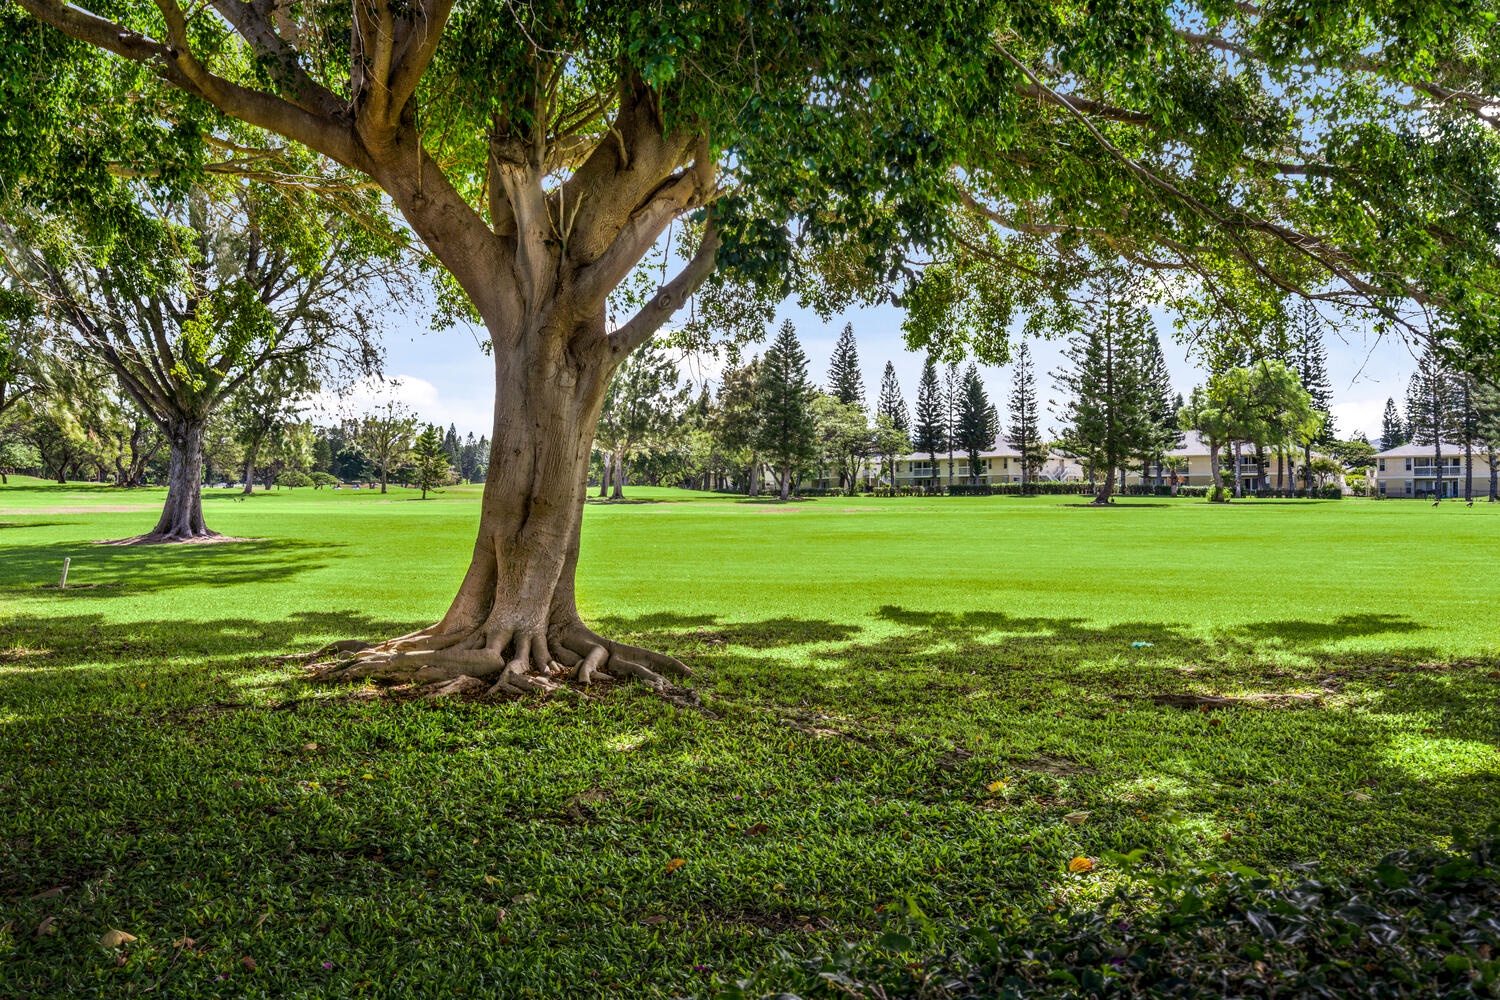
(493, 660)
(162, 538)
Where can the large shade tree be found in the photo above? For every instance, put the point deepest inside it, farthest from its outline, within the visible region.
(542, 150)
(190, 296)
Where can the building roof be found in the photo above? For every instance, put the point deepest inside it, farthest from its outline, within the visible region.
(1420, 450)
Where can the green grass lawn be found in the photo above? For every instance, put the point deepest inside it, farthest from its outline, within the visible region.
(903, 698)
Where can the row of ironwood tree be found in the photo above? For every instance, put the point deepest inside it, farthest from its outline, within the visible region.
(1115, 400)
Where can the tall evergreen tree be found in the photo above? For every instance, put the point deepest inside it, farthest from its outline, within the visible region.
(1162, 433)
(953, 387)
(733, 424)
(786, 432)
(892, 403)
(895, 432)
(845, 383)
(1466, 424)
(1429, 410)
(1025, 433)
(1393, 430)
(976, 424)
(1309, 359)
(1487, 423)
(930, 434)
(1106, 410)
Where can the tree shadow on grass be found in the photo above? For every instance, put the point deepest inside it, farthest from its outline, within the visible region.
(1260, 726)
(77, 662)
(708, 630)
(101, 571)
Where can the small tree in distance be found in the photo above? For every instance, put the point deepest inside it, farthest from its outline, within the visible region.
(1025, 432)
(976, 420)
(930, 435)
(892, 422)
(785, 432)
(430, 460)
(385, 436)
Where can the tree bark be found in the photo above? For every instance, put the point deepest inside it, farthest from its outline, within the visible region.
(1106, 489)
(514, 619)
(1239, 464)
(250, 468)
(1494, 478)
(182, 514)
(1468, 469)
(618, 493)
(604, 475)
(1215, 472)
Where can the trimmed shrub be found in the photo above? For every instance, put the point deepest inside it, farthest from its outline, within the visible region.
(1421, 924)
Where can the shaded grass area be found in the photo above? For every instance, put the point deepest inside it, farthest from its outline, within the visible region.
(905, 700)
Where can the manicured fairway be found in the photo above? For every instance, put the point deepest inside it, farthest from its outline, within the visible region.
(871, 670)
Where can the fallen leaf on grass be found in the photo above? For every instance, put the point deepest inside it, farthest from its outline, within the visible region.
(248, 963)
(49, 894)
(309, 746)
(1080, 864)
(675, 864)
(653, 920)
(1360, 796)
(995, 786)
(47, 926)
(184, 942)
(1076, 818)
(115, 939)
(500, 915)
(756, 830)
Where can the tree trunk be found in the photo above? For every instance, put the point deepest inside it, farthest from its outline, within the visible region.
(250, 468)
(1106, 488)
(514, 619)
(786, 482)
(182, 514)
(1239, 464)
(618, 492)
(1494, 478)
(1469, 469)
(605, 473)
(384, 477)
(1437, 465)
(1214, 471)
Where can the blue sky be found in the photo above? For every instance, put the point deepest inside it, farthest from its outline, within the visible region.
(447, 379)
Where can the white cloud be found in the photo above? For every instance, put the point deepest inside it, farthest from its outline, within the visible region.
(430, 405)
(1358, 416)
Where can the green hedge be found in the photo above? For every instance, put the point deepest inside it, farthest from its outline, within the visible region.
(1421, 924)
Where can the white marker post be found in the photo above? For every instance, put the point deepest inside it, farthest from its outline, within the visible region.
(63, 583)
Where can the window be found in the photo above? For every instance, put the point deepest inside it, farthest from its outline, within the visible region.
(1382, 465)
(1408, 465)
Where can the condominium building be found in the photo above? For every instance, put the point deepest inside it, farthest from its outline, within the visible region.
(1000, 463)
(1185, 465)
(1410, 470)
(1190, 464)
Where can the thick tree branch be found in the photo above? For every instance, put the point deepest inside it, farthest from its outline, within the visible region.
(670, 297)
(418, 47)
(182, 70)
